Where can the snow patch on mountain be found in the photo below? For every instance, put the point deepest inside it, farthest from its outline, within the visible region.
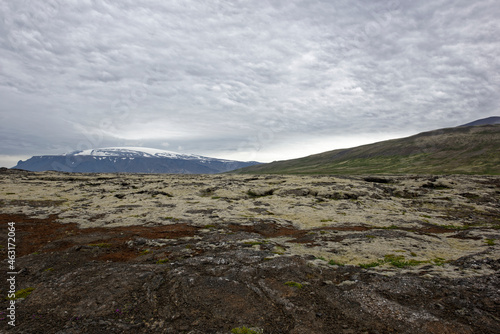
(130, 152)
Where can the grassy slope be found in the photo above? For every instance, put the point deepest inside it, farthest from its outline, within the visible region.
(462, 150)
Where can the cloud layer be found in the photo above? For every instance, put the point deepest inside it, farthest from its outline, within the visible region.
(263, 80)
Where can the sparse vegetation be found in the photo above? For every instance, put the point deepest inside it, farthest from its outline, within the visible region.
(439, 261)
(279, 250)
(294, 284)
(400, 261)
(490, 242)
(335, 263)
(162, 261)
(24, 293)
(404, 155)
(145, 252)
(454, 227)
(245, 330)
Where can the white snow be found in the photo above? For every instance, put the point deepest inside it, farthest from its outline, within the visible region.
(134, 152)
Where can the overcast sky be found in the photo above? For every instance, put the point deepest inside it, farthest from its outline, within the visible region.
(246, 80)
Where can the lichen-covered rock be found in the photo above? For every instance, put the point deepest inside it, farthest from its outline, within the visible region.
(291, 262)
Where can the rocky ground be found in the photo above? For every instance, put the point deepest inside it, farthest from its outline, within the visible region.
(112, 253)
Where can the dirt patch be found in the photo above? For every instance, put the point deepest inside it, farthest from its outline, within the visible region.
(46, 235)
(267, 230)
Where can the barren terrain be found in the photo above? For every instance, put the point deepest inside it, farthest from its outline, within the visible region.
(130, 253)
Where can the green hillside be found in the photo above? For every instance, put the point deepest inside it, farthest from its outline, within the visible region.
(461, 150)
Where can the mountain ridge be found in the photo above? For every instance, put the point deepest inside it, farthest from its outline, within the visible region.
(130, 160)
(459, 150)
(484, 121)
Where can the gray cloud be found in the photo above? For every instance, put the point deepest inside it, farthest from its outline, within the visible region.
(240, 79)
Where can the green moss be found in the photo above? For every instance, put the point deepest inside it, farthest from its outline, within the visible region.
(279, 250)
(454, 227)
(490, 242)
(439, 261)
(335, 263)
(162, 261)
(24, 293)
(244, 330)
(294, 284)
(144, 252)
(400, 261)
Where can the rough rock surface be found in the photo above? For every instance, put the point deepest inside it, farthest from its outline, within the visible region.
(209, 254)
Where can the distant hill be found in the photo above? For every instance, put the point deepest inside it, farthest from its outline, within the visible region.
(460, 150)
(485, 121)
(130, 160)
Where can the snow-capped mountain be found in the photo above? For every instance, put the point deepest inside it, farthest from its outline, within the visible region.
(130, 160)
(136, 152)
